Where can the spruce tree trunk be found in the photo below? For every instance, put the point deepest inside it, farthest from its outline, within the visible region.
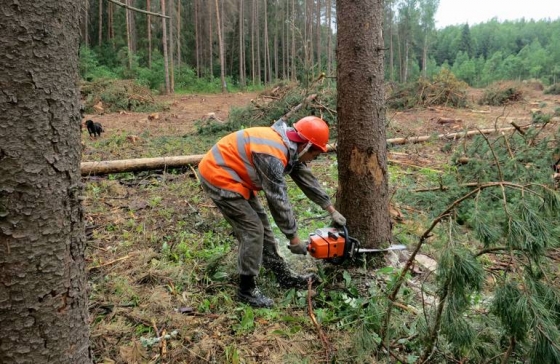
(43, 295)
(363, 196)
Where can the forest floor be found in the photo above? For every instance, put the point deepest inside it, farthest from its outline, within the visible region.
(161, 260)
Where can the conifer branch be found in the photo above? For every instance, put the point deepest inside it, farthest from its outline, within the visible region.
(427, 234)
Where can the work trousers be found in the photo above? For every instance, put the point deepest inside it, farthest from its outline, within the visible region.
(252, 230)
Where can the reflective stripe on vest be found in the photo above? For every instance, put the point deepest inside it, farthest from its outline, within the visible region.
(229, 164)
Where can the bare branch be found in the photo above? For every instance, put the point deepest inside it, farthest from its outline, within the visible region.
(137, 10)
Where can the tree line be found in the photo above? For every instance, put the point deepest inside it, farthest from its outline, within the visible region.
(249, 42)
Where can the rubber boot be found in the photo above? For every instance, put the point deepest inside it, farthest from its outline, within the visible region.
(286, 278)
(249, 293)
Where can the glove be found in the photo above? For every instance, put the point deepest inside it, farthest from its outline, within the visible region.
(338, 218)
(300, 247)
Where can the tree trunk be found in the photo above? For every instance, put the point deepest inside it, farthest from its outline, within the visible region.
(318, 36)
(100, 24)
(329, 39)
(128, 34)
(293, 55)
(221, 49)
(210, 40)
(149, 22)
(43, 285)
(178, 35)
(253, 68)
(171, 49)
(241, 44)
(111, 24)
(197, 36)
(363, 195)
(86, 24)
(165, 56)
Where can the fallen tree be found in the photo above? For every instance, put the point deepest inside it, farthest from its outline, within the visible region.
(144, 164)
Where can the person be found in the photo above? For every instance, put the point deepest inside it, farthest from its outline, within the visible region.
(256, 159)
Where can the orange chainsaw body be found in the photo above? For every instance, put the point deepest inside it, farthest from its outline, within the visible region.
(327, 243)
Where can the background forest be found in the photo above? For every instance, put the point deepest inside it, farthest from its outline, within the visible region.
(208, 45)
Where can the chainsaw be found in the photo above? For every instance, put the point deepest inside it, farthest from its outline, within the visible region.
(336, 246)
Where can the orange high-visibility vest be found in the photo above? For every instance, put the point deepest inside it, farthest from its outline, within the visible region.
(229, 164)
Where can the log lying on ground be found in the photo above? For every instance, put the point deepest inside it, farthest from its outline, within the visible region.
(452, 136)
(145, 164)
(135, 165)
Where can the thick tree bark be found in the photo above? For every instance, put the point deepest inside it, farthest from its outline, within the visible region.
(363, 195)
(43, 296)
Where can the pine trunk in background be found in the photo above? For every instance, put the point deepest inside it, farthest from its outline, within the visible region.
(241, 44)
(149, 32)
(165, 56)
(128, 35)
(258, 42)
(221, 49)
(266, 50)
(110, 24)
(253, 67)
(100, 24)
(210, 39)
(171, 48)
(293, 55)
(318, 37)
(43, 281)
(197, 36)
(329, 40)
(85, 35)
(363, 195)
(178, 35)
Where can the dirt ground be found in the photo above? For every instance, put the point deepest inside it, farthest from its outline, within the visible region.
(183, 111)
(150, 238)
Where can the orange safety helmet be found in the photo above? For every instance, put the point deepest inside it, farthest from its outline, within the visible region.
(315, 130)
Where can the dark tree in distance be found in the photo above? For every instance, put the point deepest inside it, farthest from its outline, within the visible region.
(362, 153)
(43, 295)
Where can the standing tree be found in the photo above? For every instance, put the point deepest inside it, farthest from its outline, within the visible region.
(362, 152)
(43, 298)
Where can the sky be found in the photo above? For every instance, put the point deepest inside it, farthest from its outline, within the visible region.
(453, 12)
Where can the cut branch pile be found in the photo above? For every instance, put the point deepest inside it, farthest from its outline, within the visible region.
(445, 90)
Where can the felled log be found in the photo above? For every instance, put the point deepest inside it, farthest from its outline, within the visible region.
(135, 165)
(453, 136)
